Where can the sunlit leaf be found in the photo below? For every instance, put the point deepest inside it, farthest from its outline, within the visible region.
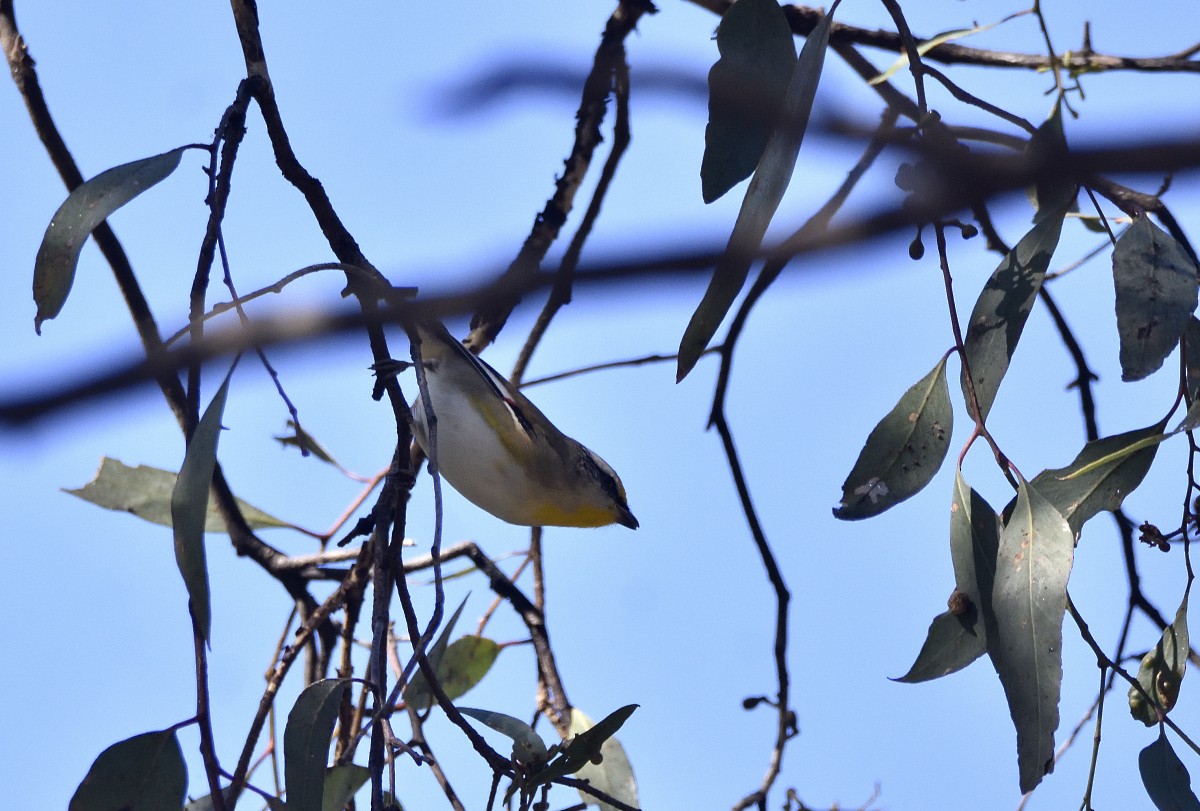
(903, 452)
(927, 45)
(306, 743)
(146, 492)
(586, 745)
(745, 90)
(1029, 599)
(1156, 295)
(1161, 672)
(528, 746)
(145, 771)
(766, 189)
(189, 506)
(341, 783)
(1101, 476)
(85, 208)
(613, 774)
(417, 692)
(1166, 778)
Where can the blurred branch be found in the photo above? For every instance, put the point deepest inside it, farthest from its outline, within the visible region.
(560, 292)
(487, 322)
(804, 18)
(969, 177)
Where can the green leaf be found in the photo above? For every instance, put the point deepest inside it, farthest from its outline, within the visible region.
(528, 746)
(903, 452)
(145, 771)
(1166, 778)
(974, 544)
(745, 90)
(586, 745)
(1101, 476)
(306, 743)
(950, 645)
(417, 692)
(1161, 672)
(958, 637)
(613, 774)
(299, 438)
(189, 506)
(1003, 307)
(766, 189)
(927, 45)
(341, 783)
(146, 492)
(85, 208)
(1156, 295)
(1029, 599)
(467, 661)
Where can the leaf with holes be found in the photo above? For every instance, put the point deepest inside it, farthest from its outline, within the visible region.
(745, 89)
(1162, 671)
(1156, 296)
(1029, 599)
(903, 452)
(85, 208)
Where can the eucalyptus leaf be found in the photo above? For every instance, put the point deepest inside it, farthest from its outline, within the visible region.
(341, 784)
(974, 544)
(306, 743)
(1162, 670)
(146, 492)
(145, 771)
(585, 746)
(745, 90)
(299, 438)
(766, 189)
(951, 643)
(85, 208)
(1156, 295)
(1002, 309)
(927, 45)
(904, 450)
(1101, 475)
(417, 692)
(1166, 778)
(528, 746)
(613, 775)
(1029, 599)
(189, 506)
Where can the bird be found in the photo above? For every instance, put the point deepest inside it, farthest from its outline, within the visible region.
(500, 452)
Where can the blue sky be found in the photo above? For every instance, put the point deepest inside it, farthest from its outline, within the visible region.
(676, 616)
